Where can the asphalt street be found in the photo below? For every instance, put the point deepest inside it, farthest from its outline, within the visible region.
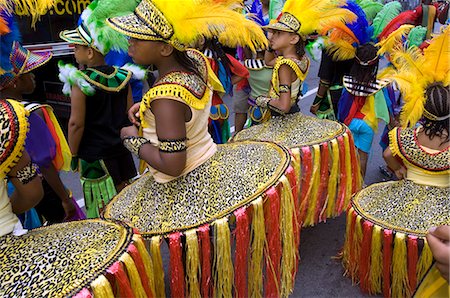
(319, 274)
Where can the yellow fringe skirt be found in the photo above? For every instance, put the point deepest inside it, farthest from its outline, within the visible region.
(230, 225)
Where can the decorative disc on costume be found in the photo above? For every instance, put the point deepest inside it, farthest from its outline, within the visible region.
(74, 259)
(13, 133)
(326, 158)
(386, 228)
(245, 186)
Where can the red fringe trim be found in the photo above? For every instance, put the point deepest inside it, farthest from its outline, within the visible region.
(388, 238)
(290, 173)
(413, 257)
(353, 256)
(241, 255)
(273, 257)
(343, 177)
(84, 293)
(306, 164)
(134, 253)
(364, 260)
(121, 279)
(205, 248)
(176, 265)
(355, 168)
(323, 186)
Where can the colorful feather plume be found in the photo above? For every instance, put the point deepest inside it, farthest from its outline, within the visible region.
(389, 12)
(314, 15)
(406, 17)
(95, 15)
(370, 7)
(208, 18)
(256, 10)
(415, 72)
(417, 36)
(6, 40)
(33, 8)
(395, 39)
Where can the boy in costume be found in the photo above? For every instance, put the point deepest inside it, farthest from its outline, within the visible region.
(100, 98)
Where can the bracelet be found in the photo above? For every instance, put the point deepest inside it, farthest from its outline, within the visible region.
(275, 109)
(262, 101)
(26, 174)
(285, 88)
(134, 144)
(317, 100)
(172, 146)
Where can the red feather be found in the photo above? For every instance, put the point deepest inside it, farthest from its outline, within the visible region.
(407, 17)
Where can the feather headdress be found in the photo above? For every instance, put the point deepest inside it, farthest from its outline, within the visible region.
(389, 12)
(416, 72)
(182, 22)
(307, 16)
(8, 35)
(370, 7)
(93, 30)
(343, 39)
(33, 8)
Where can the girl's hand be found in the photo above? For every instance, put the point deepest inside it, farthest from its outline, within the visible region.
(133, 114)
(401, 172)
(439, 241)
(129, 131)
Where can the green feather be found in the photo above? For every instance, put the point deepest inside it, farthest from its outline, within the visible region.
(417, 36)
(371, 8)
(389, 12)
(106, 37)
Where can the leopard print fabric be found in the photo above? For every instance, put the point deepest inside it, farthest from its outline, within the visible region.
(414, 154)
(237, 174)
(293, 130)
(27, 173)
(404, 206)
(60, 260)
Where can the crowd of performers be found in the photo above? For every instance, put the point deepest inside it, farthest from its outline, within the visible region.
(230, 206)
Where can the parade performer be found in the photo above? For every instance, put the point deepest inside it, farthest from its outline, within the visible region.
(100, 97)
(195, 188)
(385, 247)
(45, 143)
(325, 151)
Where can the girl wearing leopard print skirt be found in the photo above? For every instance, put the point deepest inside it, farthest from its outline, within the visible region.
(387, 225)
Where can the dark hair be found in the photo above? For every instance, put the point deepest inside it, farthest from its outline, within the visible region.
(300, 47)
(362, 73)
(438, 104)
(185, 61)
(219, 53)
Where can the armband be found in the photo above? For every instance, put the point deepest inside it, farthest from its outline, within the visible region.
(172, 146)
(134, 144)
(26, 174)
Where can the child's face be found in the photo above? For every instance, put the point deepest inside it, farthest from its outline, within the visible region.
(280, 40)
(143, 52)
(81, 54)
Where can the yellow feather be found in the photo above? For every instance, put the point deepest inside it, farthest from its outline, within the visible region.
(341, 50)
(437, 56)
(33, 8)
(315, 14)
(388, 44)
(209, 18)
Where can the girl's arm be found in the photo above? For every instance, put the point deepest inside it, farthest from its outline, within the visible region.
(392, 162)
(77, 118)
(283, 103)
(270, 58)
(28, 187)
(170, 157)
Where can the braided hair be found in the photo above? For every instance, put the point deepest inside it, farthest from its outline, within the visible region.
(438, 104)
(364, 69)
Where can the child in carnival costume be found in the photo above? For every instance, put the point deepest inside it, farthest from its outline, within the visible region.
(100, 97)
(400, 214)
(46, 143)
(287, 55)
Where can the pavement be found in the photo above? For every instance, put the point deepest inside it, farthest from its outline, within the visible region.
(320, 274)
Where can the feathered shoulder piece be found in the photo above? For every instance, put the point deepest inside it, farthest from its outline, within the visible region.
(107, 78)
(416, 72)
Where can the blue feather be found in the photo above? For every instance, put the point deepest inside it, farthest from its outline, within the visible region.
(6, 41)
(358, 27)
(257, 11)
